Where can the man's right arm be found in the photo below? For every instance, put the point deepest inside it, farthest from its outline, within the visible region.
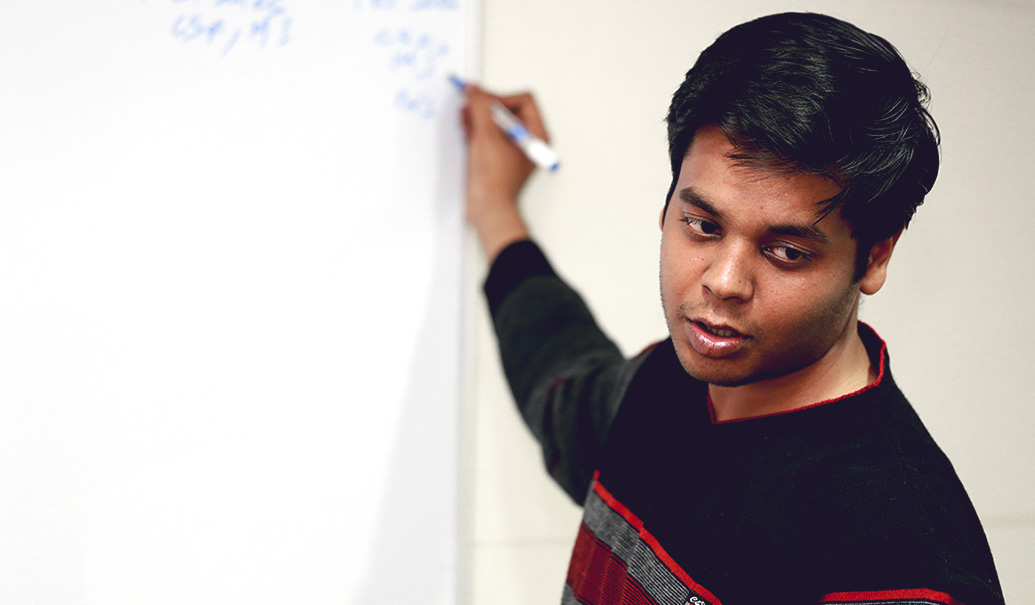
(566, 375)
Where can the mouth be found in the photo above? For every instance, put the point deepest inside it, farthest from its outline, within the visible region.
(714, 340)
(718, 330)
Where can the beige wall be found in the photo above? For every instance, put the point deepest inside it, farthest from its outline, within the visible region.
(955, 311)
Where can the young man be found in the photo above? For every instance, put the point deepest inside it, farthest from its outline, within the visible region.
(762, 453)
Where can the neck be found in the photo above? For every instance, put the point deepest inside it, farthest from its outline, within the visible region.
(844, 369)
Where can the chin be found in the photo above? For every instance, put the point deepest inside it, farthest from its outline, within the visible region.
(723, 373)
(729, 381)
(739, 370)
(722, 379)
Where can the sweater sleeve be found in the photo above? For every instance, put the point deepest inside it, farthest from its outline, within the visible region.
(566, 376)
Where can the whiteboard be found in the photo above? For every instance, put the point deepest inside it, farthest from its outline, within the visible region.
(229, 321)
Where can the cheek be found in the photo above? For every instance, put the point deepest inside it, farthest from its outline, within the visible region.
(665, 279)
(681, 259)
(810, 311)
(787, 300)
(676, 273)
(665, 260)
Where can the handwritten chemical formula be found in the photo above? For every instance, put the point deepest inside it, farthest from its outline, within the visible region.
(228, 24)
(406, 37)
(416, 58)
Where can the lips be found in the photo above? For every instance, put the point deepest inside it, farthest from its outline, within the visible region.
(714, 340)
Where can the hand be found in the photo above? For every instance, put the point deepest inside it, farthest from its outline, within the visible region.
(497, 169)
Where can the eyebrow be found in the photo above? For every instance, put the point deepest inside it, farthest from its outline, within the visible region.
(799, 230)
(809, 232)
(693, 198)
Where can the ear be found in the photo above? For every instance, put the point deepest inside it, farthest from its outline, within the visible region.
(877, 264)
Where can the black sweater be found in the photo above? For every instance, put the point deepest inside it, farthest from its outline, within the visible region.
(848, 500)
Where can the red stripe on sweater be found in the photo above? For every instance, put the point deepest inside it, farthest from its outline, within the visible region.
(598, 577)
(650, 540)
(886, 596)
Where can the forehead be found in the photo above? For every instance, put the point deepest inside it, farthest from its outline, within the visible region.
(727, 184)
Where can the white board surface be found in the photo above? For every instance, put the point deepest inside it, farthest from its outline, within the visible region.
(229, 265)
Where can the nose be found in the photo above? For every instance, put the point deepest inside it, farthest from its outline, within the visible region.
(728, 275)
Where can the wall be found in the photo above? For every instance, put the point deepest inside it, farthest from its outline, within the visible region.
(955, 310)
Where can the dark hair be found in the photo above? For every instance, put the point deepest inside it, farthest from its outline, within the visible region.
(809, 93)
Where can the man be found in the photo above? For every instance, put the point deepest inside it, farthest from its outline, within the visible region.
(762, 453)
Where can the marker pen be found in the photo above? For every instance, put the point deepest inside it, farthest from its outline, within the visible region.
(535, 148)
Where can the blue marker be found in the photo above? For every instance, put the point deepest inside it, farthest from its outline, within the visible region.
(535, 148)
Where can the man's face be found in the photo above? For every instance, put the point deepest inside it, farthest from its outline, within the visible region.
(752, 286)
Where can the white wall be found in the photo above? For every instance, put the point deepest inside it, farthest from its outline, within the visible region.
(955, 311)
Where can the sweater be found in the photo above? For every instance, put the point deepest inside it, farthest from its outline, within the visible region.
(843, 501)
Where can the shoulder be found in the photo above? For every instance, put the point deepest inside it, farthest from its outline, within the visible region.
(896, 513)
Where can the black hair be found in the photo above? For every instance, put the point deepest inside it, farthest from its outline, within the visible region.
(809, 93)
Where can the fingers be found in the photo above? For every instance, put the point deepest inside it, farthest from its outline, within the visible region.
(479, 112)
(523, 106)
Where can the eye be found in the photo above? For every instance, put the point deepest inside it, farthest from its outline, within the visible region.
(699, 227)
(787, 255)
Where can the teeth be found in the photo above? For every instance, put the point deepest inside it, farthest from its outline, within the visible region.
(718, 332)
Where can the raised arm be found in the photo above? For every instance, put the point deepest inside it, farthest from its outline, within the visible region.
(566, 376)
